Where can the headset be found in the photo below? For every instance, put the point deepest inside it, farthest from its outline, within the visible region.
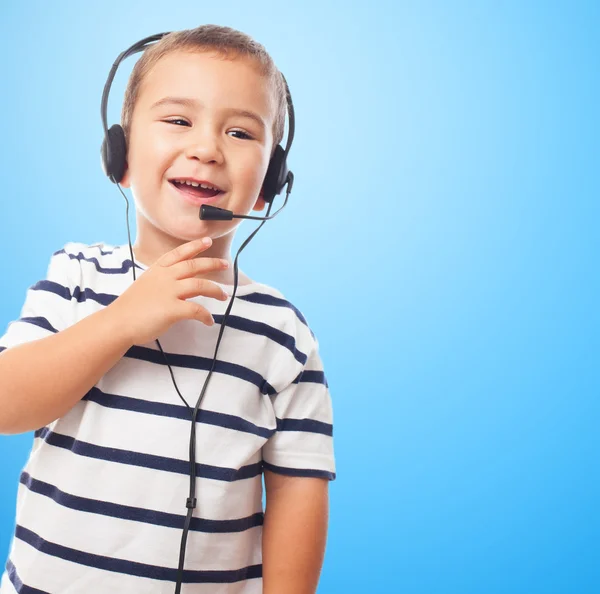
(113, 157)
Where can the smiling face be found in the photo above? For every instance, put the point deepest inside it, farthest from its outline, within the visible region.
(200, 133)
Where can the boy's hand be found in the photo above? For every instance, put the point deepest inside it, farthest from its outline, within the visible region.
(157, 299)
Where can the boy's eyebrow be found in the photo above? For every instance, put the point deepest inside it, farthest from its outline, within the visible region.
(192, 103)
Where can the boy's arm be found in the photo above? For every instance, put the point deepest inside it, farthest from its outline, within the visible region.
(298, 463)
(42, 380)
(294, 533)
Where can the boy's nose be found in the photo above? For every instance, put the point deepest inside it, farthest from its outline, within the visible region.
(204, 147)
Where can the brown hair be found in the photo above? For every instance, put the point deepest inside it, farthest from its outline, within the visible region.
(226, 41)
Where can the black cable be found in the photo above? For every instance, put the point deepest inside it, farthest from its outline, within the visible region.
(191, 501)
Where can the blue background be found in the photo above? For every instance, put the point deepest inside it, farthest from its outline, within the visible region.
(442, 240)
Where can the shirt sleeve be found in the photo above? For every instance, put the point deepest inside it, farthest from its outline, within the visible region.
(303, 442)
(49, 306)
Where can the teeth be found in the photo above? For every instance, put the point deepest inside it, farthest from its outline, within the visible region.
(195, 184)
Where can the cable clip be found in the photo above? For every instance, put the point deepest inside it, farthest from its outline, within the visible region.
(190, 502)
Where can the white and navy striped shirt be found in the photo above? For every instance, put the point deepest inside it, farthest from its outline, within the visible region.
(101, 500)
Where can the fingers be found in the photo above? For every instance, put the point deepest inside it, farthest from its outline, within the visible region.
(185, 251)
(192, 287)
(183, 263)
(196, 312)
(201, 265)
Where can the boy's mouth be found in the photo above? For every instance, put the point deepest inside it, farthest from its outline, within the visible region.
(196, 189)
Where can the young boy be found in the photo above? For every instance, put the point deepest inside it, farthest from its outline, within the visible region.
(102, 498)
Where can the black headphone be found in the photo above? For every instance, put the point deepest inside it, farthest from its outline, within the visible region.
(114, 146)
(114, 153)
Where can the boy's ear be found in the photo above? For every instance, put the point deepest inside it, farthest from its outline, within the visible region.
(125, 182)
(260, 201)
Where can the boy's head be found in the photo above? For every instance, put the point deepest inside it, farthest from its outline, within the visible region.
(220, 73)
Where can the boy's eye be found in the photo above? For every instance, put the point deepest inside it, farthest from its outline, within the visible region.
(176, 120)
(245, 135)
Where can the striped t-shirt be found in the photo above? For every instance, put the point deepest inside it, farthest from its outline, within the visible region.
(101, 500)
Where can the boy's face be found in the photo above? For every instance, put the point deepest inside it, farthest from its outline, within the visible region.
(206, 141)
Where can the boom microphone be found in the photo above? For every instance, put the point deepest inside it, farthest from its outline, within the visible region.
(214, 213)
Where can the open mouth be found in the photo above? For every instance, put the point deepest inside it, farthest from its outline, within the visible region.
(196, 190)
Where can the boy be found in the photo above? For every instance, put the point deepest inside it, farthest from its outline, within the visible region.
(101, 500)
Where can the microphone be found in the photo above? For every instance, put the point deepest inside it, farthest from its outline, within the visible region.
(214, 213)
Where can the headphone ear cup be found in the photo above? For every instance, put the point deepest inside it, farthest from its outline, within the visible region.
(276, 175)
(114, 153)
